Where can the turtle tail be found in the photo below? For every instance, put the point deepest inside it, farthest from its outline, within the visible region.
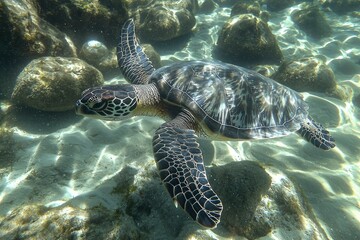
(133, 62)
(316, 134)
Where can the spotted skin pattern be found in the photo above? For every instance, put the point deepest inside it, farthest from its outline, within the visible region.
(218, 100)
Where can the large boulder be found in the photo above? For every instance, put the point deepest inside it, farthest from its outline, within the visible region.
(161, 23)
(307, 74)
(163, 20)
(246, 7)
(54, 83)
(240, 186)
(66, 222)
(246, 39)
(86, 20)
(24, 34)
(312, 22)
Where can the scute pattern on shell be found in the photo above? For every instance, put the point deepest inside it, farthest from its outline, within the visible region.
(230, 100)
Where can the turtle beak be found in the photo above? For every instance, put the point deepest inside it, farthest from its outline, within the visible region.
(81, 109)
(78, 107)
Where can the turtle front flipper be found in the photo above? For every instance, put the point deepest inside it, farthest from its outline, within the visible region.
(316, 134)
(133, 62)
(180, 163)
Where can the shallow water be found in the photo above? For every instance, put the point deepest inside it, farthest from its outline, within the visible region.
(64, 158)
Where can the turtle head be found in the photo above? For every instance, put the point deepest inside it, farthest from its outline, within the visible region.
(115, 102)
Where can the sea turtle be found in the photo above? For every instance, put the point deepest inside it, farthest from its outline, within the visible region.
(214, 100)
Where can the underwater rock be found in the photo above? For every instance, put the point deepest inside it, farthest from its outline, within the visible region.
(258, 201)
(312, 22)
(66, 222)
(25, 34)
(161, 23)
(246, 7)
(286, 211)
(94, 52)
(278, 5)
(98, 55)
(246, 182)
(307, 74)
(54, 83)
(246, 39)
(342, 6)
(84, 20)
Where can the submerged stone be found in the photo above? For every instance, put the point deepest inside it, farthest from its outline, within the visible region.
(66, 222)
(312, 22)
(246, 7)
(84, 20)
(161, 23)
(25, 34)
(240, 185)
(54, 83)
(246, 39)
(307, 74)
(94, 52)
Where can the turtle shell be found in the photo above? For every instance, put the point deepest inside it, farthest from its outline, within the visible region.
(231, 101)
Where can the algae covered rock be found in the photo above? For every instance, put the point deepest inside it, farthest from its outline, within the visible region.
(307, 74)
(54, 83)
(240, 185)
(84, 20)
(163, 20)
(66, 222)
(94, 52)
(246, 39)
(312, 22)
(246, 7)
(25, 34)
(161, 23)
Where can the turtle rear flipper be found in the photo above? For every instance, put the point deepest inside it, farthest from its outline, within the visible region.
(133, 62)
(180, 163)
(316, 134)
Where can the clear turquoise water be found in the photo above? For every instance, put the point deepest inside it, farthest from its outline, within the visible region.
(65, 159)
